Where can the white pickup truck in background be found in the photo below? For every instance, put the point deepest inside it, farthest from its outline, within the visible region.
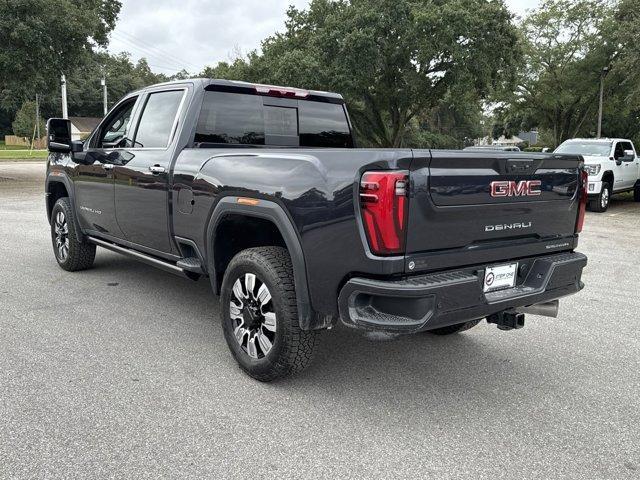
(613, 167)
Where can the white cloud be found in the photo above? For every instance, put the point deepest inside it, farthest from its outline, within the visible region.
(191, 34)
(520, 7)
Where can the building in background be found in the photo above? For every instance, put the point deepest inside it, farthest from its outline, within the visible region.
(81, 127)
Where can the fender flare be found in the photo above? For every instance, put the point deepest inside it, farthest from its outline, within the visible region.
(59, 177)
(273, 212)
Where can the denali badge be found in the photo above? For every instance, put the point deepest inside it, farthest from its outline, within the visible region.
(506, 226)
(525, 188)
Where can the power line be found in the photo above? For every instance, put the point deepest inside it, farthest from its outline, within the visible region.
(168, 68)
(169, 55)
(144, 51)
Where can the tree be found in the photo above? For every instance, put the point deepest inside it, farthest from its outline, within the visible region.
(394, 60)
(43, 38)
(567, 44)
(24, 124)
(627, 33)
(84, 91)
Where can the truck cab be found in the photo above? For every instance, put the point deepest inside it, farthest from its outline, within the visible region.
(612, 164)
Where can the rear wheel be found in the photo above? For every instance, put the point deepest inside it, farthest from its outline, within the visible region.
(457, 328)
(260, 315)
(636, 193)
(71, 254)
(601, 202)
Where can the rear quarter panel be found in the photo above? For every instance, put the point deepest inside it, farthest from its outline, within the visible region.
(317, 188)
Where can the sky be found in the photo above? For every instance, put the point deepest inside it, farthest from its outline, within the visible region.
(190, 34)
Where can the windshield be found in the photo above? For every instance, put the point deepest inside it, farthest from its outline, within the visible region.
(585, 148)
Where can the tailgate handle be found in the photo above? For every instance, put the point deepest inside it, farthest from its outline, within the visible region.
(520, 166)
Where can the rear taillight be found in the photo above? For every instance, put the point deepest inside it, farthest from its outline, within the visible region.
(582, 206)
(383, 201)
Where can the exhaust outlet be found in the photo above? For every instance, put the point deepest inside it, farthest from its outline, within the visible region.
(548, 309)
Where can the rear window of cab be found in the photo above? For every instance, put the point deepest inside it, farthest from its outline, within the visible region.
(241, 119)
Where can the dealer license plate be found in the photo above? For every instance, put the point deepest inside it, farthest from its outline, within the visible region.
(500, 276)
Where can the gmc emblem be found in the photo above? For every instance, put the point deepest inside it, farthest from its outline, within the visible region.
(506, 188)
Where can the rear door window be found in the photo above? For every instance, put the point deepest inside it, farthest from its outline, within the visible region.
(158, 119)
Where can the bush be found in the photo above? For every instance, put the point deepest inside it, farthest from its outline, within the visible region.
(25, 121)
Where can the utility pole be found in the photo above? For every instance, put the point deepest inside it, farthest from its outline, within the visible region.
(38, 117)
(63, 84)
(103, 82)
(603, 74)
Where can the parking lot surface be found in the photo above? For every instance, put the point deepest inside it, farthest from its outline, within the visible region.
(122, 372)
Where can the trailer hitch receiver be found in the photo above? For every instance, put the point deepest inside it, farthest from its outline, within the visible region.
(507, 320)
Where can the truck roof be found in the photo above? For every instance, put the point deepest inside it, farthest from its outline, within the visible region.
(211, 83)
(598, 140)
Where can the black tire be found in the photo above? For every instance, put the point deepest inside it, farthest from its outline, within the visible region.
(289, 349)
(601, 202)
(70, 254)
(457, 328)
(636, 193)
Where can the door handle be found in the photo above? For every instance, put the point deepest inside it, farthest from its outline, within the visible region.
(157, 169)
(108, 166)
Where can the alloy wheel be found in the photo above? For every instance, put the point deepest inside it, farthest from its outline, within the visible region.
(61, 231)
(252, 316)
(604, 198)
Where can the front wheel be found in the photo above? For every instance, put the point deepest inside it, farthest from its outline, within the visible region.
(71, 254)
(636, 193)
(260, 315)
(601, 202)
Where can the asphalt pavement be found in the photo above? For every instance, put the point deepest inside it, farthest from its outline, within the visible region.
(122, 372)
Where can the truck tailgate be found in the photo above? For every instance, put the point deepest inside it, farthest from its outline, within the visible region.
(467, 207)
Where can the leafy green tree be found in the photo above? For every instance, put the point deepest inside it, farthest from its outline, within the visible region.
(621, 116)
(626, 36)
(24, 124)
(394, 60)
(84, 91)
(567, 45)
(43, 38)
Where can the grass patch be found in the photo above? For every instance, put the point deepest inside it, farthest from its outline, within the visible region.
(12, 147)
(8, 155)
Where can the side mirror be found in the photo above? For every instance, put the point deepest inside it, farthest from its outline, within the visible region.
(59, 135)
(546, 150)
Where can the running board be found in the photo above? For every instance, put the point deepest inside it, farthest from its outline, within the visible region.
(148, 259)
(190, 264)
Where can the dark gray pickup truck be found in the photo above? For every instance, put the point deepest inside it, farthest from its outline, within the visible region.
(261, 190)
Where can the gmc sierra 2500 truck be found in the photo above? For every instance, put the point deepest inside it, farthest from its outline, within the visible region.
(612, 164)
(260, 189)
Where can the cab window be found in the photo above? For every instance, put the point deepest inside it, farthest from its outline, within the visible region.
(625, 146)
(113, 134)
